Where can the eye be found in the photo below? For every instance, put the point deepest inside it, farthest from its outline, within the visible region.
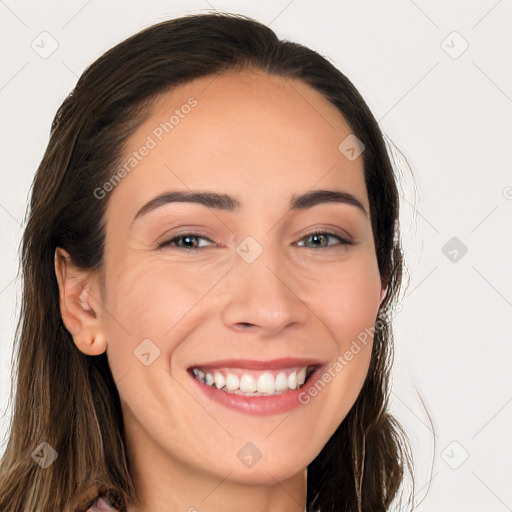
(189, 241)
(321, 240)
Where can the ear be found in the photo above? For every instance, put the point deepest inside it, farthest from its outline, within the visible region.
(80, 307)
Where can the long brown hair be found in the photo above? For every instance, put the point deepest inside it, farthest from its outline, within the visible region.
(68, 399)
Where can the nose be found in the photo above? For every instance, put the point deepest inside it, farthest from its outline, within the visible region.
(263, 297)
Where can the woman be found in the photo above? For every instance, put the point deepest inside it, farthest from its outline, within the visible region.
(209, 264)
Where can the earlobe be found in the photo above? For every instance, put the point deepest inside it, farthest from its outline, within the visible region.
(79, 309)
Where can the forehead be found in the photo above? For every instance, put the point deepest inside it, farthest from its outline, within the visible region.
(242, 132)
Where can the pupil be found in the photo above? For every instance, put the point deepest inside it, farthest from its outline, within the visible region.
(189, 240)
(318, 238)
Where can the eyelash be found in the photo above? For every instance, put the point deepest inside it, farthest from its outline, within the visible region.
(342, 240)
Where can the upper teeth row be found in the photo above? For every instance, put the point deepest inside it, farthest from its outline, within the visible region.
(247, 383)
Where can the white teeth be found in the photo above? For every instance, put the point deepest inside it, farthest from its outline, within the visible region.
(248, 383)
(266, 383)
(232, 382)
(219, 380)
(199, 373)
(281, 382)
(292, 380)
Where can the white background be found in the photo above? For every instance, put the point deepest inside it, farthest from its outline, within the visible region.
(449, 112)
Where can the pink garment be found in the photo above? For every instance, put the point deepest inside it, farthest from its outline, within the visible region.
(102, 505)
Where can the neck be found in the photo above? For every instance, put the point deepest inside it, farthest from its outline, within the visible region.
(186, 490)
(164, 484)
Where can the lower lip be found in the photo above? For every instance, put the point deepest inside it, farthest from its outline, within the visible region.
(259, 405)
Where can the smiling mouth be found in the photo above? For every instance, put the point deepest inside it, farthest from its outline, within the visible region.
(242, 381)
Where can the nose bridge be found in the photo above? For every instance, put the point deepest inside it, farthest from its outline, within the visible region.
(261, 290)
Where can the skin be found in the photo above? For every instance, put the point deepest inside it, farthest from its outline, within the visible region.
(262, 139)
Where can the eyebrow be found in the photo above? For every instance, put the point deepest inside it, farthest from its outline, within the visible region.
(229, 203)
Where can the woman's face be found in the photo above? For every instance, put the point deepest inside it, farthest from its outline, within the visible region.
(242, 287)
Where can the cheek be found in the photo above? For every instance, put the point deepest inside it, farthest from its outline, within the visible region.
(151, 300)
(347, 299)
(152, 307)
(347, 304)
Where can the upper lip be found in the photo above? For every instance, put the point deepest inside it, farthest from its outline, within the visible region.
(254, 364)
